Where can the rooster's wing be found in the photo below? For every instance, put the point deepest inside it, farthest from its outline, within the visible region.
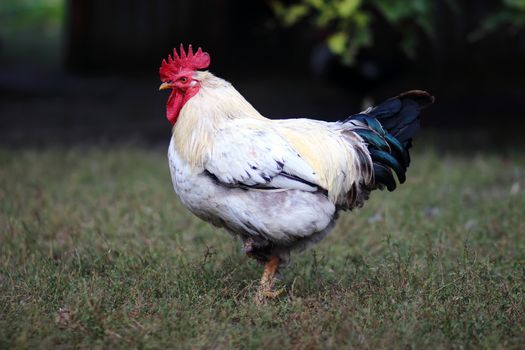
(251, 154)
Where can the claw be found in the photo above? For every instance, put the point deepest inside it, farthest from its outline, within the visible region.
(262, 296)
(272, 294)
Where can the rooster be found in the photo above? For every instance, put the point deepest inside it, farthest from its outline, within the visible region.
(278, 185)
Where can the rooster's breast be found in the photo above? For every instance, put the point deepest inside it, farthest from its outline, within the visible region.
(289, 218)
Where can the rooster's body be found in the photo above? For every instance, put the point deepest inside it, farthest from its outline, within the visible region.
(277, 184)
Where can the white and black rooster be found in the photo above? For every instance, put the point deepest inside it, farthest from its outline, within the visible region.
(278, 185)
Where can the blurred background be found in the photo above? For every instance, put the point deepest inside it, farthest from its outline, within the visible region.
(86, 71)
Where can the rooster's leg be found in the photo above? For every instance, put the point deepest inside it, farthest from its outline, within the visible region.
(268, 280)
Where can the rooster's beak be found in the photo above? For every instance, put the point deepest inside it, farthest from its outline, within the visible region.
(165, 86)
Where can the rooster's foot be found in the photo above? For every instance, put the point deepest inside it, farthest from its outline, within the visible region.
(267, 281)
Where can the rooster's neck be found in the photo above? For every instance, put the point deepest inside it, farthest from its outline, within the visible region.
(216, 103)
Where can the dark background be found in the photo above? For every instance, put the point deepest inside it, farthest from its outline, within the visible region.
(92, 77)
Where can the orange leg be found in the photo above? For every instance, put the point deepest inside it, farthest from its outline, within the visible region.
(268, 280)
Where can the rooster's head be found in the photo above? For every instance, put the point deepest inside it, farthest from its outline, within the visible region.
(179, 74)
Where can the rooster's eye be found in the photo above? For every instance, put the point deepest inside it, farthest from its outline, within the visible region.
(183, 80)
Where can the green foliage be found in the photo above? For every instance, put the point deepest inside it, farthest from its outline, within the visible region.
(351, 21)
(43, 14)
(29, 29)
(97, 252)
(511, 15)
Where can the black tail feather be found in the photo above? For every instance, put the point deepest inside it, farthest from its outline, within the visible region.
(387, 159)
(383, 177)
(398, 149)
(388, 132)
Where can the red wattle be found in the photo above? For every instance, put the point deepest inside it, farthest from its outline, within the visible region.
(173, 106)
(176, 101)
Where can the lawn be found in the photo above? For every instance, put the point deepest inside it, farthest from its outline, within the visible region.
(97, 252)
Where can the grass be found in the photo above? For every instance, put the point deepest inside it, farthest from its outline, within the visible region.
(97, 252)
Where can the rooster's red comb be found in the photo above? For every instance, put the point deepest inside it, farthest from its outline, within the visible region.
(191, 61)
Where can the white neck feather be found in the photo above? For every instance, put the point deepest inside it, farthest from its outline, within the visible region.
(216, 103)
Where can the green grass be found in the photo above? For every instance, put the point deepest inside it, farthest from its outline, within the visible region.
(96, 251)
